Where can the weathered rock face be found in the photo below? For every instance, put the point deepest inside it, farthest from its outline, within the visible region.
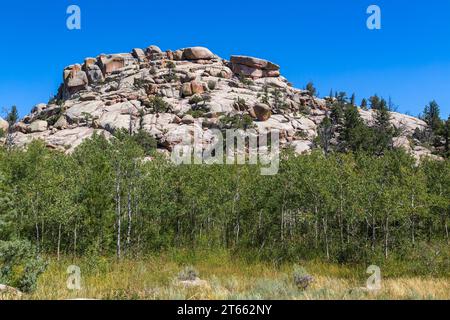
(94, 73)
(3, 125)
(9, 291)
(262, 111)
(38, 126)
(111, 63)
(197, 53)
(139, 54)
(176, 95)
(403, 122)
(75, 79)
(254, 67)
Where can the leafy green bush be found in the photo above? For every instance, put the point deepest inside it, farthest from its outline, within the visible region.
(236, 122)
(196, 113)
(20, 265)
(146, 141)
(159, 105)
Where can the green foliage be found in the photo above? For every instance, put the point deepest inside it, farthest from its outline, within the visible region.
(447, 137)
(159, 105)
(2, 133)
(105, 201)
(198, 103)
(383, 131)
(311, 89)
(13, 116)
(246, 81)
(146, 141)
(171, 65)
(377, 103)
(364, 104)
(20, 266)
(236, 122)
(196, 113)
(196, 99)
(431, 115)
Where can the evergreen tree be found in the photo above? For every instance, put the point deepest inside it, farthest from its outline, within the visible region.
(364, 104)
(355, 134)
(431, 115)
(311, 89)
(447, 137)
(383, 130)
(13, 116)
(353, 100)
(325, 134)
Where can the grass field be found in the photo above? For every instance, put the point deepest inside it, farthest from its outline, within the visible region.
(226, 278)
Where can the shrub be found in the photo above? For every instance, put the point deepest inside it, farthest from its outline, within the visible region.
(159, 105)
(195, 99)
(146, 141)
(171, 65)
(196, 113)
(311, 89)
(301, 278)
(212, 84)
(236, 122)
(246, 81)
(21, 266)
(153, 71)
(2, 133)
(189, 273)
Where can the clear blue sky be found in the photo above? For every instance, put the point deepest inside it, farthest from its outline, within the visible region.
(323, 41)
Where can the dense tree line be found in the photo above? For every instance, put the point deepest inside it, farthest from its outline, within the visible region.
(105, 199)
(344, 130)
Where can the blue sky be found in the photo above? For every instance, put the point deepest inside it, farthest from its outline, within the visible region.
(323, 41)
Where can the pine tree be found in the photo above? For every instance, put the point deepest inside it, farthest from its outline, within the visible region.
(383, 130)
(355, 134)
(364, 104)
(325, 134)
(447, 137)
(431, 115)
(13, 116)
(353, 100)
(311, 89)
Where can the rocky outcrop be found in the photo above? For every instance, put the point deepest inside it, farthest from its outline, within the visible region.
(38, 126)
(262, 111)
(93, 71)
(3, 125)
(9, 291)
(176, 95)
(75, 79)
(197, 53)
(254, 67)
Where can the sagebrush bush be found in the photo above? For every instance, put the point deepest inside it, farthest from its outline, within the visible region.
(189, 273)
(212, 85)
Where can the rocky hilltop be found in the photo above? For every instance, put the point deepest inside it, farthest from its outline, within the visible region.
(188, 90)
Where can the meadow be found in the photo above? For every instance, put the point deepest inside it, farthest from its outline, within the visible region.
(228, 278)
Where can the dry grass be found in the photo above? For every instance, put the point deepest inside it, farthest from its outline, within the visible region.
(227, 277)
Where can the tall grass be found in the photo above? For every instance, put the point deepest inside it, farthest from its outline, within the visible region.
(228, 277)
